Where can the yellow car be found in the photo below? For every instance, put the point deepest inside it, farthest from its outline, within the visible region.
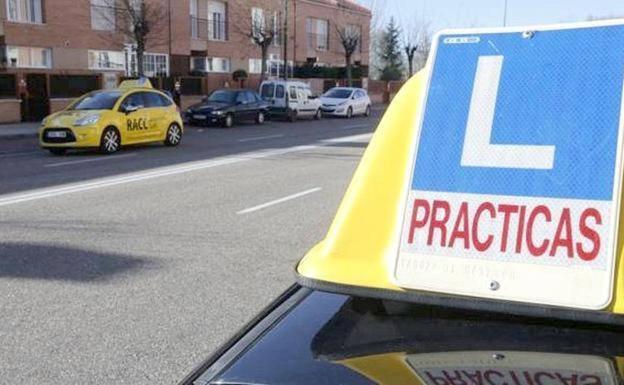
(134, 113)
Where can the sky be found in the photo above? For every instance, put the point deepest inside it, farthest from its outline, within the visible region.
(440, 14)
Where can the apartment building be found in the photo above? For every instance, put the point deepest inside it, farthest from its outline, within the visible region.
(54, 50)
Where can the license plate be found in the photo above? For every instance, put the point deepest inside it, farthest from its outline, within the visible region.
(57, 134)
(199, 117)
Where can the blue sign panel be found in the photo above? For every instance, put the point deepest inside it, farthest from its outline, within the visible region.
(558, 88)
(515, 186)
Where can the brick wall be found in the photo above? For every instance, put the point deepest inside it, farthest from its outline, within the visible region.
(10, 110)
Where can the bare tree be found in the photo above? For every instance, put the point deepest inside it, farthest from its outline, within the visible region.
(410, 50)
(416, 42)
(379, 9)
(424, 47)
(140, 22)
(350, 39)
(263, 28)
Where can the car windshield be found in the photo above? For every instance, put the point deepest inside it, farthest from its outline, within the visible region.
(338, 93)
(222, 96)
(97, 101)
(267, 91)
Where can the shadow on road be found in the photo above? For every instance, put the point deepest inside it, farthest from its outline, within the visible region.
(51, 262)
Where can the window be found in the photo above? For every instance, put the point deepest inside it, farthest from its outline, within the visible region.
(318, 34)
(25, 11)
(241, 98)
(198, 64)
(267, 90)
(210, 64)
(277, 24)
(257, 21)
(29, 57)
(154, 64)
(194, 19)
(279, 91)
(135, 99)
(216, 20)
(250, 97)
(106, 60)
(103, 100)
(255, 66)
(152, 100)
(222, 96)
(302, 94)
(292, 92)
(217, 64)
(102, 15)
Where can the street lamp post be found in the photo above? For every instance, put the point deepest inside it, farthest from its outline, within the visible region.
(285, 40)
(505, 15)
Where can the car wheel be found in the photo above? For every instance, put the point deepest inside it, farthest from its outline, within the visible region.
(57, 151)
(110, 141)
(292, 116)
(318, 114)
(228, 122)
(367, 113)
(174, 135)
(260, 117)
(349, 113)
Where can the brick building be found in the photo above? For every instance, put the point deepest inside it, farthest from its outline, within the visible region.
(54, 50)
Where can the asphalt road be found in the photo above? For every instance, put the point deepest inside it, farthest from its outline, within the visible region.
(132, 268)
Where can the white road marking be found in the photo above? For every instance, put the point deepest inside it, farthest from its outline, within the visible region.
(70, 162)
(260, 138)
(362, 138)
(10, 199)
(280, 200)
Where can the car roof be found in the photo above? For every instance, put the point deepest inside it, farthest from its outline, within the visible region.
(282, 81)
(234, 89)
(347, 88)
(335, 338)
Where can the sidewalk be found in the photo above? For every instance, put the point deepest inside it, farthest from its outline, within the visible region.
(18, 130)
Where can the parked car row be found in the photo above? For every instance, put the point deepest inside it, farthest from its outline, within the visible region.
(284, 99)
(136, 113)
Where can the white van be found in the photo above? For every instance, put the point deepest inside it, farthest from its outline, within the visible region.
(291, 99)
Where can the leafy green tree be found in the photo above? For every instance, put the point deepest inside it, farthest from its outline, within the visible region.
(391, 53)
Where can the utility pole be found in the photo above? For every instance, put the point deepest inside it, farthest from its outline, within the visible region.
(285, 40)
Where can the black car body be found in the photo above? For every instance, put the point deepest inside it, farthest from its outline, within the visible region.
(312, 337)
(227, 106)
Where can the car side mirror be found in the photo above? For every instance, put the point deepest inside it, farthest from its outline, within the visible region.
(312, 97)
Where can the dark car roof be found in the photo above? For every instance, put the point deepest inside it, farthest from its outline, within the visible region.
(317, 339)
(234, 89)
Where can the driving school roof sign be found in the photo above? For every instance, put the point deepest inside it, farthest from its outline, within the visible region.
(515, 185)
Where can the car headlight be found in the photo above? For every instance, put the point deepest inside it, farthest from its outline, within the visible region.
(218, 112)
(342, 103)
(87, 120)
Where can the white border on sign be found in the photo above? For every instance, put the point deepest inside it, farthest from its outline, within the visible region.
(617, 183)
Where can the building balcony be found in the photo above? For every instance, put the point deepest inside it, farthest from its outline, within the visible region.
(209, 29)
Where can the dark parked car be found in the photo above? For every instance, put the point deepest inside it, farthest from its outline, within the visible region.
(227, 106)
